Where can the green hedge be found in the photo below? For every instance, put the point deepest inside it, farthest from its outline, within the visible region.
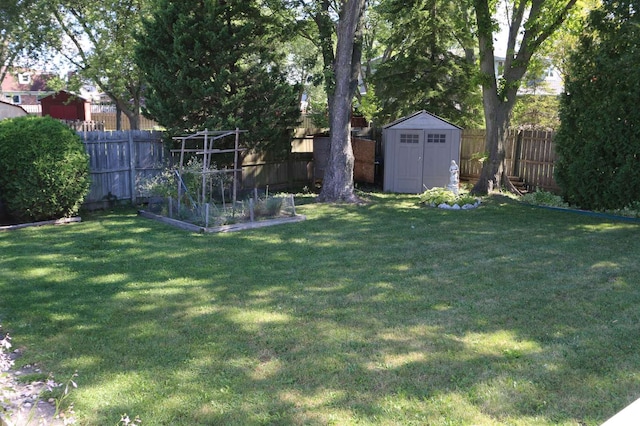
(45, 169)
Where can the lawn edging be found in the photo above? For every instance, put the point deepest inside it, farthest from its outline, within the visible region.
(62, 221)
(223, 228)
(587, 213)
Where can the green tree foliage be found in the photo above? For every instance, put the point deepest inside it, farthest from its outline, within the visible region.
(425, 64)
(211, 64)
(538, 112)
(97, 38)
(598, 142)
(45, 169)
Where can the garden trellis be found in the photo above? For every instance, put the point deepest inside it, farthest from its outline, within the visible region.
(207, 149)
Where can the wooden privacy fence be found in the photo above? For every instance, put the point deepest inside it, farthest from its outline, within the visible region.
(118, 161)
(530, 156)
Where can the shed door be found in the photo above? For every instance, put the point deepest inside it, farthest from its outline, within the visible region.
(437, 157)
(408, 161)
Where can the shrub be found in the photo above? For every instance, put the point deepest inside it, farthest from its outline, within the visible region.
(544, 198)
(438, 195)
(45, 169)
(598, 142)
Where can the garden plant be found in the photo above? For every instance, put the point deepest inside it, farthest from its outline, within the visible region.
(380, 313)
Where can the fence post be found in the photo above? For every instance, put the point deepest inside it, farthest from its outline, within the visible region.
(132, 167)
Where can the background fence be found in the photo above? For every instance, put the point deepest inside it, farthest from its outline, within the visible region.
(118, 160)
(530, 156)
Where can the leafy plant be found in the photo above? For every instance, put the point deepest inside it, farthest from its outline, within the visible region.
(438, 195)
(45, 169)
(544, 198)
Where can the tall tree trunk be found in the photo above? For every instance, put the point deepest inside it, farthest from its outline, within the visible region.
(337, 184)
(498, 101)
(494, 172)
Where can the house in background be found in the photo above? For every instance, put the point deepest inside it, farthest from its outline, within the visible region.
(26, 87)
(550, 83)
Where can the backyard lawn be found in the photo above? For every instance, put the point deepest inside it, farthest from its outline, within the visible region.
(385, 313)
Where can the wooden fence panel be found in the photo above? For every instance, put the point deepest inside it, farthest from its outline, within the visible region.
(472, 144)
(530, 155)
(118, 161)
(259, 173)
(537, 163)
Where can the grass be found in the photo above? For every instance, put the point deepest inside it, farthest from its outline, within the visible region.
(387, 313)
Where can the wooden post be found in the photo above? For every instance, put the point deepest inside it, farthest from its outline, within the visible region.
(235, 167)
(251, 214)
(205, 167)
(132, 167)
(293, 204)
(180, 172)
(206, 215)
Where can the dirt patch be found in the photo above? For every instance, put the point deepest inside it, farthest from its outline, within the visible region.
(21, 402)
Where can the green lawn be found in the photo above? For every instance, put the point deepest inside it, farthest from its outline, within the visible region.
(386, 313)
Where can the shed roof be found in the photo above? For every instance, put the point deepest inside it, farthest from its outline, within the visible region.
(8, 110)
(421, 120)
(64, 96)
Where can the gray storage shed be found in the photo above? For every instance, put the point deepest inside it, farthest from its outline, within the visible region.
(418, 150)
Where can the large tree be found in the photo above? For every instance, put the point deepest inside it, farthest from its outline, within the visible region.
(598, 142)
(97, 38)
(535, 21)
(428, 62)
(211, 64)
(338, 179)
(19, 32)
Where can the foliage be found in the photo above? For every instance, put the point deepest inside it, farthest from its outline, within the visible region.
(438, 195)
(544, 198)
(212, 65)
(598, 142)
(536, 112)
(45, 168)
(97, 39)
(425, 65)
(632, 210)
(190, 181)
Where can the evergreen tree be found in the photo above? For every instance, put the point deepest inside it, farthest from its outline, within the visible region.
(426, 65)
(210, 64)
(598, 142)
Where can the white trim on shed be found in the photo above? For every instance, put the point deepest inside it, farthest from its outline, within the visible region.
(418, 150)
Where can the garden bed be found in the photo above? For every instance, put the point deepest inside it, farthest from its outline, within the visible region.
(222, 228)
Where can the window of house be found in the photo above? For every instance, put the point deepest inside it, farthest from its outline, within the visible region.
(24, 78)
(409, 138)
(13, 99)
(436, 138)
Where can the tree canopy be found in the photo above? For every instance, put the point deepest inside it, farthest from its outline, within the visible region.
(97, 38)
(211, 65)
(428, 62)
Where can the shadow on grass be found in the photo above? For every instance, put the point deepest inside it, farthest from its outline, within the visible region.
(382, 313)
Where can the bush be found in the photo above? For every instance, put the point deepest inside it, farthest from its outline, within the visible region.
(45, 169)
(438, 195)
(544, 198)
(598, 142)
